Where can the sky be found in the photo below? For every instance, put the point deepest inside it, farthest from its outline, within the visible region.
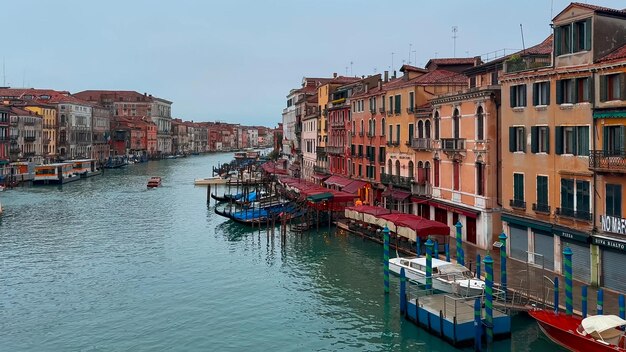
(235, 61)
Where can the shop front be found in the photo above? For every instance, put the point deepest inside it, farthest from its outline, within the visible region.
(612, 244)
(578, 242)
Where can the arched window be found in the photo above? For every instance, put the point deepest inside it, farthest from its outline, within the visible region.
(389, 167)
(382, 127)
(420, 129)
(427, 129)
(411, 166)
(373, 123)
(361, 127)
(397, 167)
(456, 123)
(480, 129)
(420, 172)
(427, 171)
(437, 125)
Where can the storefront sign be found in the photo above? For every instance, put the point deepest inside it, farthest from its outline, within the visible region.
(613, 224)
(606, 242)
(570, 234)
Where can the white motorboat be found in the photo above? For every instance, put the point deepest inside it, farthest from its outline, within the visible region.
(215, 180)
(447, 277)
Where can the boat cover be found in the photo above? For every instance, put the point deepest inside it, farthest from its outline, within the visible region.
(601, 323)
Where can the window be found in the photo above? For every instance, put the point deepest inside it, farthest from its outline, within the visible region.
(518, 96)
(541, 93)
(572, 140)
(613, 140)
(390, 103)
(542, 194)
(427, 129)
(612, 87)
(436, 172)
(575, 199)
(437, 125)
(420, 129)
(456, 123)
(480, 179)
(570, 91)
(472, 82)
(573, 37)
(360, 170)
(517, 140)
(480, 128)
(381, 154)
(382, 102)
(382, 126)
(456, 168)
(411, 101)
(397, 134)
(390, 133)
(398, 106)
(518, 191)
(540, 139)
(411, 132)
(613, 200)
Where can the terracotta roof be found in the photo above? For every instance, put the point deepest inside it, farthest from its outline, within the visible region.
(452, 61)
(406, 68)
(615, 55)
(595, 8)
(125, 95)
(440, 76)
(544, 47)
(21, 112)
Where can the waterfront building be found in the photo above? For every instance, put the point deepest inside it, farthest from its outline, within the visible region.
(49, 138)
(464, 148)
(309, 137)
(75, 131)
(552, 188)
(180, 137)
(101, 133)
(26, 130)
(4, 143)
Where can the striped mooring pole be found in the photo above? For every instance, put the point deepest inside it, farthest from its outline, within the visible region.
(567, 263)
(386, 258)
(584, 302)
(600, 306)
(478, 326)
(436, 252)
(622, 313)
(429, 263)
(489, 297)
(418, 249)
(459, 244)
(503, 278)
(402, 292)
(478, 266)
(447, 249)
(556, 295)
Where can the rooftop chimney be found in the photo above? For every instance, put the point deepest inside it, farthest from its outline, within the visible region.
(386, 76)
(334, 74)
(394, 73)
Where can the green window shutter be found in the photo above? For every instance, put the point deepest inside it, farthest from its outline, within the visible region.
(564, 193)
(559, 92)
(548, 93)
(535, 94)
(512, 137)
(588, 34)
(582, 196)
(534, 143)
(622, 86)
(512, 96)
(622, 141)
(582, 140)
(557, 41)
(524, 139)
(603, 83)
(547, 140)
(523, 88)
(558, 140)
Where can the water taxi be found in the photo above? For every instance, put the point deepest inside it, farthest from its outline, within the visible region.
(86, 167)
(447, 277)
(58, 173)
(154, 182)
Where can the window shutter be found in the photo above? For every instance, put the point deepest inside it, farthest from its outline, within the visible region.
(535, 94)
(547, 140)
(523, 139)
(603, 83)
(588, 34)
(512, 96)
(534, 145)
(622, 86)
(547, 93)
(557, 41)
(523, 88)
(605, 140)
(574, 85)
(512, 137)
(559, 92)
(558, 140)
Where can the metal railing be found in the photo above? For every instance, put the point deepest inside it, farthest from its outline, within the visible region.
(574, 214)
(334, 150)
(421, 144)
(320, 169)
(607, 160)
(517, 203)
(541, 208)
(423, 189)
(397, 181)
(453, 144)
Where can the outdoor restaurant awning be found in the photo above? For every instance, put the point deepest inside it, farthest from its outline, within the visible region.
(396, 194)
(320, 176)
(320, 197)
(455, 208)
(271, 168)
(338, 181)
(354, 187)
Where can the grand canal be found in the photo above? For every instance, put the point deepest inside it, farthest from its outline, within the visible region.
(105, 265)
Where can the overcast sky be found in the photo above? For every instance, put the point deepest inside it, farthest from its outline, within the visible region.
(235, 60)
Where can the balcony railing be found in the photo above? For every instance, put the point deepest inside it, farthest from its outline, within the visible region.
(29, 138)
(574, 214)
(361, 134)
(607, 161)
(424, 189)
(517, 203)
(382, 111)
(453, 144)
(396, 181)
(410, 110)
(320, 150)
(389, 112)
(320, 170)
(373, 111)
(334, 150)
(526, 64)
(371, 158)
(422, 144)
(541, 208)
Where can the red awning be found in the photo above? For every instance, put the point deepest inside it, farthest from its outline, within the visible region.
(338, 181)
(272, 168)
(320, 176)
(354, 187)
(424, 227)
(371, 210)
(396, 194)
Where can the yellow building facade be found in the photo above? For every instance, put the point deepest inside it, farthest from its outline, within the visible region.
(49, 137)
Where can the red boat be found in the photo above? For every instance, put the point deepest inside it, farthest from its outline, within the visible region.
(154, 182)
(594, 333)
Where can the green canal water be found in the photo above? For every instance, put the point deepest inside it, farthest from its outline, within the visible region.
(104, 264)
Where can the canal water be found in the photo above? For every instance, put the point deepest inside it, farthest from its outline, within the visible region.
(104, 264)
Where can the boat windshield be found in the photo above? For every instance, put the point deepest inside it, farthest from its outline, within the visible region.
(456, 271)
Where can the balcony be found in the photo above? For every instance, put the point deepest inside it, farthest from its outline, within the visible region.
(320, 170)
(371, 158)
(410, 110)
(574, 214)
(29, 138)
(334, 150)
(607, 161)
(337, 124)
(320, 151)
(396, 181)
(453, 144)
(373, 112)
(29, 154)
(423, 189)
(541, 208)
(517, 204)
(389, 112)
(518, 64)
(424, 144)
(382, 111)
(361, 134)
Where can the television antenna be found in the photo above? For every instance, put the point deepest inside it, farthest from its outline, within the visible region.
(455, 30)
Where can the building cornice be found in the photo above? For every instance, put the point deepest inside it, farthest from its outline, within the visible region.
(482, 93)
